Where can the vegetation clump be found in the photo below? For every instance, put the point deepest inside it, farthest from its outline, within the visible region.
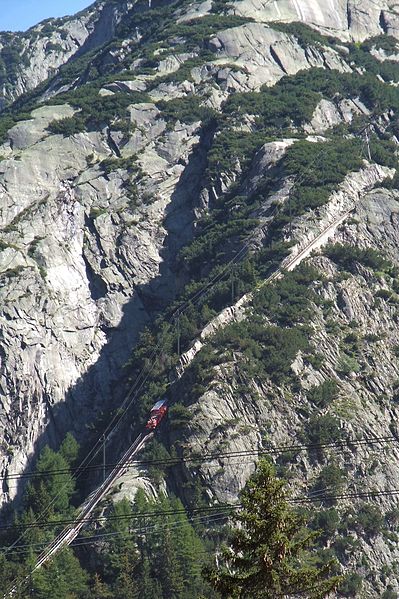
(187, 109)
(269, 553)
(347, 256)
(67, 126)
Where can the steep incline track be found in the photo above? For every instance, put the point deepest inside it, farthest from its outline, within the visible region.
(353, 187)
(70, 532)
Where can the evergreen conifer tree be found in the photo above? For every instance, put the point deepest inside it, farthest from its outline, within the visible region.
(122, 558)
(170, 571)
(268, 555)
(189, 549)
(69, 449)
(54, 489)
(62, 578)
(99, 590)
(149, 585)
(126, 586)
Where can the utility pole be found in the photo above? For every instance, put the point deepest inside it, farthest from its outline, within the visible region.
(232, 286)
(103, 440)
(178, 334)
(367, 132)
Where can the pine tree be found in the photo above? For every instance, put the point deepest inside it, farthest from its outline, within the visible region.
(122, 560)
(99, 590)
(189, 549)
(69, 449)
(149, 585)
(126, 586)
(122, 542)
(62, 578)
(55, 488)
(10, 571)
(268, 555)
(170, 571)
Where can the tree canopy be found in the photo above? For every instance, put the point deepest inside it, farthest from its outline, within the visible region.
(269, 554)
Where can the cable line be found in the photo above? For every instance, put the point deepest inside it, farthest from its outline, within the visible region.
(210, 510)
(126, 534)
(105, 518)
(175, 461)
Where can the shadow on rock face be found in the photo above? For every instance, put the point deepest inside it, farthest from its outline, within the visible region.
(102, 388)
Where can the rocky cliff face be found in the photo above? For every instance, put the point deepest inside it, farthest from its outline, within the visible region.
(81, 263)
(30, 58)
(198, 135)
(240, 414)
(344, 18)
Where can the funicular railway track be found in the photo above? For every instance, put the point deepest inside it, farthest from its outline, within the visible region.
(70, 532)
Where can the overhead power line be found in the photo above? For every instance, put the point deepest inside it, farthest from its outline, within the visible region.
(208, 511)
(143, 529)
(112, 517)
(176, 461)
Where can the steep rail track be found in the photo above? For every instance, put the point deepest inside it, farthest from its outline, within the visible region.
(69, 533)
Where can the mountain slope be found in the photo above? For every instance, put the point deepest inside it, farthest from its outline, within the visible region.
(27, 59)
(167, 174)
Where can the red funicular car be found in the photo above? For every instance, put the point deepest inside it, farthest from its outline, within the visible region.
(158, 411)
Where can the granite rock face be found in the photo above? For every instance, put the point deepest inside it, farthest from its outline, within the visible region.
(280, 55)
(345, 19)
(241, 414)
(81, 262)
(91, 224)
(51, 44)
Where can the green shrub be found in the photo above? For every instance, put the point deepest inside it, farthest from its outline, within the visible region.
(197, 31)
(385, 294)
(187, 109)
(324, 394)
(8, 121)
(157, 453)
(108, 165)
(326, 521)
(288, 300)
(179, 415)
(389, 593)
(67, 126)
(369, 520)
(231, 145)
(344, 546)
(306, 35)
(268, 351)
(347, 364)
(316, 360)
(384, 42)
(347, 256)
(372, 338)
(329, 481)
(321, 430)
(351, 585)
(97, 111)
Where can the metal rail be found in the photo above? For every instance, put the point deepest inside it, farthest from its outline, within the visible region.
(69, 533)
